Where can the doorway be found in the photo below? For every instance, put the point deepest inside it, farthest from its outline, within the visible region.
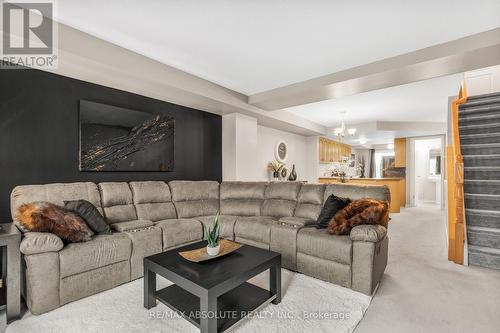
(426, 171)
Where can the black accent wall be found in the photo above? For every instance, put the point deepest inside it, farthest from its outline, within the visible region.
(39, 133)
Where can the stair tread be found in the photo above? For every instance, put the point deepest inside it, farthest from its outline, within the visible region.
(484, 229)
(485, 168)
(484, 249)
(481, 145)
(490, 104)
(482, 195)
(479, 117)
(480, 135)
(479, 126)
(482, 211)
(489, 95)
(482, 181)
(486, 156)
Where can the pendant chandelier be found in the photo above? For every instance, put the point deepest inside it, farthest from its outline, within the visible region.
(342, 131)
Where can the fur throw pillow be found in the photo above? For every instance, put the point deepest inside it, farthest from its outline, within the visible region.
(363, 211)
(47, 217)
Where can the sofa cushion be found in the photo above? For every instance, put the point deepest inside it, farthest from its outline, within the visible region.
(242, 198)
(226, 224)
(283, 190)
(153, 200)
(101, 251)
(40, 242)
(318, 243)
(310, 201)
(178, 232)
(131, 225)
(280, 199)
(195, 198)
(117, 202)
(255, 228)
(115, 194)
(54, 193)
(90, 214)
(278, 208)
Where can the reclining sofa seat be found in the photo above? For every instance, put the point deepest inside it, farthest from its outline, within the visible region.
(56, 274)
(241, 200)
(153, 216)
(306, 212)
(355, 261)
(199, 201)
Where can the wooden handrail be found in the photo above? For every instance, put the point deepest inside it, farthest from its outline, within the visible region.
(455, 169)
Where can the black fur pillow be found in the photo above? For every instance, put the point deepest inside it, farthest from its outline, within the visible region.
(47, 217)
(332, 205)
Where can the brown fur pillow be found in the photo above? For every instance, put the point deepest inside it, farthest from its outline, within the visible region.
(47, 217)
(363, 211)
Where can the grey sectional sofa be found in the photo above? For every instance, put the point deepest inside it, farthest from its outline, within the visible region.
(154, 216)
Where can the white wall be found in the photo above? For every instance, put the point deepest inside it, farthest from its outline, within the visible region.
(239, 147)
(427, 189)
(267, 138)
(483, 81)
(247, 149)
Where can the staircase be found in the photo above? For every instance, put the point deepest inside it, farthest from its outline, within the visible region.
(479, 128)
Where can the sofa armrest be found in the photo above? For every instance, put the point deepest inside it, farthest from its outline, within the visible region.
(370, 247)
(368, 233)
(40, 242)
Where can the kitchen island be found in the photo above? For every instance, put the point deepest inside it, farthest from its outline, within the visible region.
(397, 188)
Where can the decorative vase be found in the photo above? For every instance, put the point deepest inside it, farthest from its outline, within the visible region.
(276, 175)
(213, 251)
(283, 173)
(293, 174)
(343, 177)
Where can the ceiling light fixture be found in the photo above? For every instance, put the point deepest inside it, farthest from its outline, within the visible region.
(390, 146)
(363, 141)
(342, 131)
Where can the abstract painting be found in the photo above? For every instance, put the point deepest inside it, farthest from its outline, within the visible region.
(118, 139)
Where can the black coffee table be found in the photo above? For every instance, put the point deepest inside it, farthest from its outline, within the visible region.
(214, 295)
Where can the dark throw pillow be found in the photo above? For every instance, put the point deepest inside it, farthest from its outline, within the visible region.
(46, 217)
(363, 211)
(90, 214)
(332, 205)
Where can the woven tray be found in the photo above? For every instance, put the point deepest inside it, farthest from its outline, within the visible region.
(200, 255)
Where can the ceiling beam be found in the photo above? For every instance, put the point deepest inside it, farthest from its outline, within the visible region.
(464, 54)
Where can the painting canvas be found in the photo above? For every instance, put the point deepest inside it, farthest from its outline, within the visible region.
(119, 139)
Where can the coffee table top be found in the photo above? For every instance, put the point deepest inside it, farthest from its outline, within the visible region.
(211, 273)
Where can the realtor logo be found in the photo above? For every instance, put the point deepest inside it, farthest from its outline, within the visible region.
(28, 35)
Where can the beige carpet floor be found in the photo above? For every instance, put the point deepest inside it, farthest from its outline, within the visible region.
(422, 291)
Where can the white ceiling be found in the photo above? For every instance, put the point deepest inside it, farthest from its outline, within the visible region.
(374, 138)
(256, 45)
(421, 101)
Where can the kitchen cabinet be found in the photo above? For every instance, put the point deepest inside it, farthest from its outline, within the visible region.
(333, 151)
(400, 152)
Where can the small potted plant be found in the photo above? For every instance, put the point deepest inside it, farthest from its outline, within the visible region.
(212, 238)
(276, 167)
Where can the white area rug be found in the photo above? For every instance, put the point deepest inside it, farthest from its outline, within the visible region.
(308, 305)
